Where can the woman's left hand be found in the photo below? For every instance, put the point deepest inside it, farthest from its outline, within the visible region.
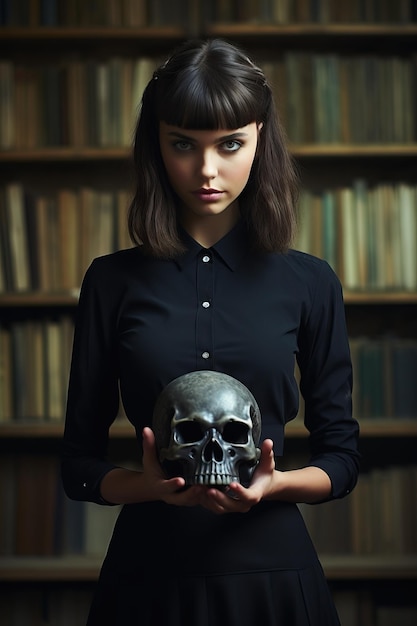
(239, 499)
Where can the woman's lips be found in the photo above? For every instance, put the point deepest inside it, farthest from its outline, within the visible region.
(208, 195)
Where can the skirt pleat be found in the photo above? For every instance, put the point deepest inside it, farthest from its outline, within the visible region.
(191, 568)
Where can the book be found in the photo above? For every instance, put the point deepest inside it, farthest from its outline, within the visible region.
(68, 236)
(7, 504)
(55, 392)
(350, 268)
(17, 235)
(35, 373)
(6, 376)
(7, 126)
(407, 221)
(99, 524)
(404, 367)
(36, 480)
(18, 333)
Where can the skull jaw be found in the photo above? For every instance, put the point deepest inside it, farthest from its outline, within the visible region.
(181, 468)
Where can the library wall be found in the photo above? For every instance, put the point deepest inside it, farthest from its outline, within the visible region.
(344, 74)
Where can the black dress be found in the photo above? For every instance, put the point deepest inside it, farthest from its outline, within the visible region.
(144, 322)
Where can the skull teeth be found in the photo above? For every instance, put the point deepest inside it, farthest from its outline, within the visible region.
(213, 479)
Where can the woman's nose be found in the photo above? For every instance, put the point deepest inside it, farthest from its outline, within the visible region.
(208, 166)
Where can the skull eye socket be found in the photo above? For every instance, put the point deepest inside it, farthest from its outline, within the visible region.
(236, 432)
(188, 432)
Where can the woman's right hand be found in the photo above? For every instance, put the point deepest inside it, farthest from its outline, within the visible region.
(170, 490)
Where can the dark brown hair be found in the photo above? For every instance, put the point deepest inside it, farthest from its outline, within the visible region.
(210, 85)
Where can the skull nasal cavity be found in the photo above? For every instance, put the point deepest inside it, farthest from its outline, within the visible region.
(212, 452)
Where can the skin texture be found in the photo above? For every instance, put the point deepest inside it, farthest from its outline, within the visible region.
(197, 161)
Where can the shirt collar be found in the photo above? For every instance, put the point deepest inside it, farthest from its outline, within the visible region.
(231, 249)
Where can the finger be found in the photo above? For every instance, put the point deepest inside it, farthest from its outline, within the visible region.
(235, 491)
(222, 502)
(267, 459)
(267, 447)
(148, 438)
(150, 455)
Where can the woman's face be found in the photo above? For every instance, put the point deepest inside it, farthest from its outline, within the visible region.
(208, 169)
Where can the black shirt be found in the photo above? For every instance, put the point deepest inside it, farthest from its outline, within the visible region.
(228, 308)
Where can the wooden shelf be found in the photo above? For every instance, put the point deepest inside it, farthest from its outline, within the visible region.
(370, 428)
(39, 299)
(380, 297)
(250, 29)
(77, 34)
(378, 567)
(45, 569)
(124, 430)
(13, 430)
(65, 154)
(71, 569)
(69, 299)
(342, 151)
(354, 30)
(388, 427)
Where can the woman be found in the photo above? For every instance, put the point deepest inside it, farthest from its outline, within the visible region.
(211, 284)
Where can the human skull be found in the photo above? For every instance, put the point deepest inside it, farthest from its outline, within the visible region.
(207, 427)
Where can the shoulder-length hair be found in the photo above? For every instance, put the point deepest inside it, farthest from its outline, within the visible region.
(210, 85)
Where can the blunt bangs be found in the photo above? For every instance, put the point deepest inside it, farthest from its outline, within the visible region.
(201, 106)
(217, 88)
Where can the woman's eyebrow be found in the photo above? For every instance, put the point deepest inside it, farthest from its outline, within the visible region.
(173, 133)
(238, 135)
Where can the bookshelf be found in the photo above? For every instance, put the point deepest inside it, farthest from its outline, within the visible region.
(375, 314)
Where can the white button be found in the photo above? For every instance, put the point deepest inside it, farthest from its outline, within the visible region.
(206, 305)
(206, 355)
(206, 259)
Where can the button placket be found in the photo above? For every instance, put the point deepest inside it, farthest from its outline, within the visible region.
(204, 322)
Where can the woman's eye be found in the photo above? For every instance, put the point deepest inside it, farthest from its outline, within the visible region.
(232, 145)
(182, 146)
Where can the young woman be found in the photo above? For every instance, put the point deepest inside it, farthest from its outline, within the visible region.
(211, 284)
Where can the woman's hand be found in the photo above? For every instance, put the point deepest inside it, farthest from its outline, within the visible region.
(307, 484)
(158, 485)
(239, 499)
(236, 499)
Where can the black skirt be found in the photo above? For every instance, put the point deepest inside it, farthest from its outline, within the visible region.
(172, 566)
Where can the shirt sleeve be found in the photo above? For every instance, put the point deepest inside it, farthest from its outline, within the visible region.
(93, 394)
(326, 385)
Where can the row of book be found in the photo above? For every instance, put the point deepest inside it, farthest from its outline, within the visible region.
(116, 13)
(332, 98)
(37, 519)
(35, 357)
(47, 242)
(72, 103)
(311, 11)
(361, 608)
(367, 233)
(384, 377)
(54, 606)
(323, 98)
(378, 517)
(78, 13)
